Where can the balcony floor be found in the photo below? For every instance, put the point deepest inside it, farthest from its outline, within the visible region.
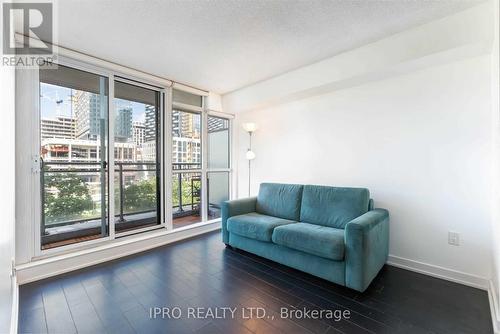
(185, 221)
(177, 223)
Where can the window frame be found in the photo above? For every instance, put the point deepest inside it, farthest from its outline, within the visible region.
(112, 76)
(28, 84)
(187, 108)
(36, 141)
(161, 112)
(229, 169)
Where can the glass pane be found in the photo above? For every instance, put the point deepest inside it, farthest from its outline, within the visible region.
(186, 140)
(186, 155)
(73, 137)
(218, 142)
(186, 198)
(137, 157)
(218, 192)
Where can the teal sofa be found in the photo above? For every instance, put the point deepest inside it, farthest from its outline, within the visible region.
(330, 232)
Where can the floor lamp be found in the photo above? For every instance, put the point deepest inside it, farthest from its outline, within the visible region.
(250, 155)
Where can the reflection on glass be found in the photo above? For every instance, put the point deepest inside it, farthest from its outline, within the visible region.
(218, 142)
(136, 152)
(218, 192)
(73, 178)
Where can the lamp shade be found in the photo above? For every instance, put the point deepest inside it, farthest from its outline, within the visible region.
(249, 127)
(250, 155)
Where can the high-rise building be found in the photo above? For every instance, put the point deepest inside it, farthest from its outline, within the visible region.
(186, 141)
(80, 150)
(186, 150)
(138, 131)
(184, 124)
(90, 116)
(176, 132)
(60, 127)
(87, 108)
(150, 134)
(123, 125)
(150, 124)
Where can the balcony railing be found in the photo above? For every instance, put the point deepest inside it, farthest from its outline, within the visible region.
(186, 177)
(176, 166)
(72, 194)
(127, 167)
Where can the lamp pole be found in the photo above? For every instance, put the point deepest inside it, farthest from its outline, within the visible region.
(249, 161)
(250, 128)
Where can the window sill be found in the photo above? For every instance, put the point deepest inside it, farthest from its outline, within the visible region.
(50, 265)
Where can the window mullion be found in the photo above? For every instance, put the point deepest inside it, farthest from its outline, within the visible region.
(204, 162)
(168, 159)
(111, 156)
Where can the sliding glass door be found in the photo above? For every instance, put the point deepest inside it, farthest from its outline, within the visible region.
(137, 157)
(79, 139)
(186, 168)
(103, 143)
(73, 155)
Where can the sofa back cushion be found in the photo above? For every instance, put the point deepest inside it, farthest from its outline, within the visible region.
(333, 206)
(280, 200)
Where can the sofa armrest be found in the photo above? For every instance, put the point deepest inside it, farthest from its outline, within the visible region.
(366, 248)
(234, 208)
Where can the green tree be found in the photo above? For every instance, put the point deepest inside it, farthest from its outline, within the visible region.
(188, 194)
(140, 196)
(66, 197)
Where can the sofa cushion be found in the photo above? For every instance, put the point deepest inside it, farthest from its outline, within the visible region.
(280, 200)
(327, 242)
(255, 226)
(333, 206)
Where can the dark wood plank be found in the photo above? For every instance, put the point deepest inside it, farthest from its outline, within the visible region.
(116, 297)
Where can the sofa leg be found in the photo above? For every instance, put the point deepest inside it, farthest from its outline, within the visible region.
(228, 246)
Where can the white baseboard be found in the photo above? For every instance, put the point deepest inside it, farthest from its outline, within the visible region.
(495, 310)
(457, 277)
(14, 317)
(48, 267)
(440, 272)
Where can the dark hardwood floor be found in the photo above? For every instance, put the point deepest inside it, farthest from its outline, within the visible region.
(115, 297)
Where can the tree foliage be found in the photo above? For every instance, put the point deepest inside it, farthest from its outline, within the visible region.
(66, 196)
(139, 196)
(189, 196)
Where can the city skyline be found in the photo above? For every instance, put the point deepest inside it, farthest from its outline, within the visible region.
(57, 101)
(70, 129)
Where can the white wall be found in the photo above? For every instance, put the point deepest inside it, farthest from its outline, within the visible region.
(214, 102)
(7, 192)
(420, 142)
(495, 89)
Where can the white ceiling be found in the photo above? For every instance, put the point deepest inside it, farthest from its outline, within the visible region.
(223, 45)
